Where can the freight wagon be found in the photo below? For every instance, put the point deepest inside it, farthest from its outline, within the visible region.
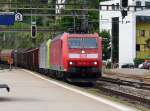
(6, 56)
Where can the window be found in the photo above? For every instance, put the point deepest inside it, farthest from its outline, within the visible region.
(148, 43)
(89, 43)
(143, 33)
(138, 3)
(137, 33)
(147, 4)
(75, 43)
(143, 19)
(149, 34)
(113, 7)
(117, 7)
(137, 47)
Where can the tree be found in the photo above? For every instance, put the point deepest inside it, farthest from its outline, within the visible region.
(92, 16)
(106, 44)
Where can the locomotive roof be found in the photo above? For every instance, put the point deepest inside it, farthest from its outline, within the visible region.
(43, 44)
(49, 40)
(21, 50)
(75, 35)
(83, 35)
(32, 49)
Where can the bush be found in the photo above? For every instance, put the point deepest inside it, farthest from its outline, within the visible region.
(138, 61)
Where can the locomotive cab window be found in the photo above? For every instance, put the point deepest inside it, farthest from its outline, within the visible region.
(89, 43)
(75, 43)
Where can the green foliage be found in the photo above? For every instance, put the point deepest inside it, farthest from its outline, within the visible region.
(67, 23)
(106, 47)
(138, 61)
(23, 39)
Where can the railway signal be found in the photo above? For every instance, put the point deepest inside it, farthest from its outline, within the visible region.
(33, 30)
(124, 6)
(124, 13)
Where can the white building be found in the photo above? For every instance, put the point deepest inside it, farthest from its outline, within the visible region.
(127, 28)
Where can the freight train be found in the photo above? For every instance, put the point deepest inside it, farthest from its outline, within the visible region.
(71, 57)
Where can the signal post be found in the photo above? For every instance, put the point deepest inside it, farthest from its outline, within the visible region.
(33, 32)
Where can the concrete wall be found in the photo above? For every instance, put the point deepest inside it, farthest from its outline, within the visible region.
(127, 40)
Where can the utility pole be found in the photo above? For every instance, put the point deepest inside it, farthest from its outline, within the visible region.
(84, 24)
(33, 28)
(74, 17)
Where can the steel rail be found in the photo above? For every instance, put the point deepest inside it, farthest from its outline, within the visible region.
(123, 94)
(139, 85)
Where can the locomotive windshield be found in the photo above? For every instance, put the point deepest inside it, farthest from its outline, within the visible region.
(89, 43)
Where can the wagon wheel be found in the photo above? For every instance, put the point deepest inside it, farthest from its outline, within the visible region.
(64, 78)
(58, 75)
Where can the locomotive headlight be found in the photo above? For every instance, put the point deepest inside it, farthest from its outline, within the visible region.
(70, 63)
(95, 63)
(83, 52)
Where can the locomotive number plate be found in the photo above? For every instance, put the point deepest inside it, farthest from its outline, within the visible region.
(83, 55)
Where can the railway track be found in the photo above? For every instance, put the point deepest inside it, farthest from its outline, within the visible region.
(136, 92)
(139, 85)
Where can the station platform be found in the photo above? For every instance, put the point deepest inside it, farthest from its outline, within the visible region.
(33, 92)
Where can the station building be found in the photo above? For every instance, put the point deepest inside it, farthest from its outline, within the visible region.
(130, 36)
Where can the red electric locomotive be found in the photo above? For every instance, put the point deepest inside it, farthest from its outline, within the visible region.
(76, 57)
